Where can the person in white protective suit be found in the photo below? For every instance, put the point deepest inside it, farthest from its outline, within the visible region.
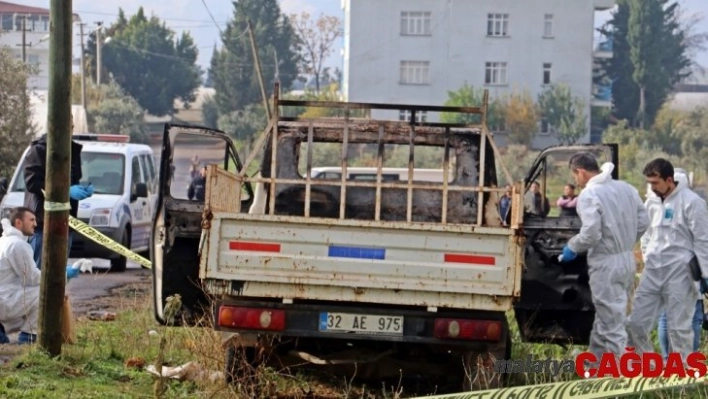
(19, 276)
(613, 218)
(678, 230)
(681, 178)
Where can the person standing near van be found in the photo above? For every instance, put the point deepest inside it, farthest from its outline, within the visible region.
(197, 188)
(35, 177)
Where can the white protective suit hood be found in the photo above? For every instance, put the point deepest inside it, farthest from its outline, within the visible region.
(8, 230)
(604, 176)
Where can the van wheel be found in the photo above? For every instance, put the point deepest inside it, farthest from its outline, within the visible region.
(121, 263)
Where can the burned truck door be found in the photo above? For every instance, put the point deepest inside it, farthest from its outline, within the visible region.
(555, 304)
(177, 224)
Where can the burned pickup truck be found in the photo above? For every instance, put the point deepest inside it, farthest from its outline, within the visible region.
(384, 264)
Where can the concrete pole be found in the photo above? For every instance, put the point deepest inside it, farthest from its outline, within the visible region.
(98, 54)
(83, 68)
(56, 219)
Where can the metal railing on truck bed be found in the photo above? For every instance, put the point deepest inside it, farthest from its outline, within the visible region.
(290, 193)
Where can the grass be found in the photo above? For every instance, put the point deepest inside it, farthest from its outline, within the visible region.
(108, 359)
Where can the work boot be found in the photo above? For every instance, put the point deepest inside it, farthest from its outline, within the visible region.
(26, 338)
(3, 336)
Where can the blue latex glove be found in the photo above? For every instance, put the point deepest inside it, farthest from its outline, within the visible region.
(71, 272)
(89, 190)
(78, 192)
(568, 254)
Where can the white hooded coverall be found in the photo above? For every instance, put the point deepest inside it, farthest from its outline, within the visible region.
(19, 282)
(613, 218)
(678, 229)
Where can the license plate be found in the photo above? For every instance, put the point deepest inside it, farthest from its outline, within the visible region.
(361, 323)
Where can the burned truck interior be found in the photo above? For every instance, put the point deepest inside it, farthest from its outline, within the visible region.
(555, 304)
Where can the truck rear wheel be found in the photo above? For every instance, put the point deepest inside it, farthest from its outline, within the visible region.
(478, 367)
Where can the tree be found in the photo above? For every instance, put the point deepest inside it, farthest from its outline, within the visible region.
(16, 126)
(563, 112)
(317, 39)
(149, 62)
(468, 96)
(233, 68)
(117, 113)
(520, 117)
(650, 55)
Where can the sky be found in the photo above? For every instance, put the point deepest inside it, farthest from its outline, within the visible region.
(192, 15)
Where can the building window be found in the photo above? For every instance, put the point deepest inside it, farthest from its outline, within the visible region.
(545, 128)
(33, 59)
(546, 73)
(405, 116)
(495, 73)
(415, 23)
(6, 21)
(497, 24)
(548, 25)
(415, 72)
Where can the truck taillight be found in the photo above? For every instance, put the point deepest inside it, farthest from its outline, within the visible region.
(251, 318)
(480, 330)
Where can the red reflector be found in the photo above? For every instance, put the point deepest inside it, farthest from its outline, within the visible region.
(477, 330)
(473, 259)
(251, 318)
(253, 246)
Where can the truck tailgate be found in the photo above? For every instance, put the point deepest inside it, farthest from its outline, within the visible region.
(347, 260)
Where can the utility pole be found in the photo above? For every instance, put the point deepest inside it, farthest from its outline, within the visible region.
(83, 68)
(56, 214)
(98, 53)
(24, 40)
(258, 70)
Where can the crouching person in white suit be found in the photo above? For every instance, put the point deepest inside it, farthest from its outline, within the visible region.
(19, 276)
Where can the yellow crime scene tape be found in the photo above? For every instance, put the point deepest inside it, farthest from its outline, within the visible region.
(105, 241)
(607, 387)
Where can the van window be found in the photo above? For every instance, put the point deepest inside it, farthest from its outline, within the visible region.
(146, 175)
(136, 177)
(105, 171)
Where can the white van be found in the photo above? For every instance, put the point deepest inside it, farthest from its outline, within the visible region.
(387, 174)
(125, 181)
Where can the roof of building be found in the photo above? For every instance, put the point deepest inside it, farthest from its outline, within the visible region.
(12, 8)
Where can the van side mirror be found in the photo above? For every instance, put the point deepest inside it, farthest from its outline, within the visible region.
(141, 191)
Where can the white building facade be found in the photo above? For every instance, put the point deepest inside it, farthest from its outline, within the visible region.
(416, 51)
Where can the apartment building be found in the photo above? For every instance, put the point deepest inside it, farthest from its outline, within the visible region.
(416, 51)
(25, 30)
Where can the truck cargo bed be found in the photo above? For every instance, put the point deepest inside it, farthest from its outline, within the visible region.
(359, 261)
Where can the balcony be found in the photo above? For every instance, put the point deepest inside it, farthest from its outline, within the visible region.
(602, 46)
(602, 95)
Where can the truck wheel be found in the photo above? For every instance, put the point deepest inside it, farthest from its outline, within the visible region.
(241, 364)
(121, 263)
(478, 367)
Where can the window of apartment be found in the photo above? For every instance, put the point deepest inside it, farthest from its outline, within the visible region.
(548, 25)
(415, 23)
(495, 73)
(6, 21)
(33, 59)
(415, 72)
(546, 73)
(405, 116)
(497, 24)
